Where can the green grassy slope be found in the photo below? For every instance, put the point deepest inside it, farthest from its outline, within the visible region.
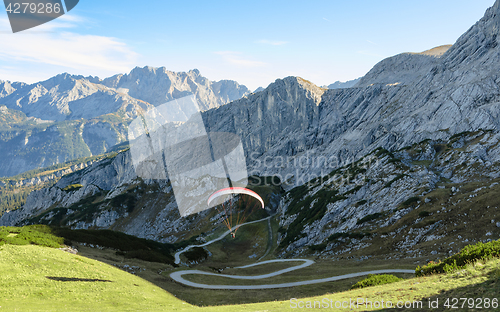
(481, 280)
(42, 279)
(38, 278)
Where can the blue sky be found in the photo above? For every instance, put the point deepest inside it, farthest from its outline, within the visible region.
(252, 42)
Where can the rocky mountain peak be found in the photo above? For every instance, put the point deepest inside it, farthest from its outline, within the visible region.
(7, 88)
(275, 120)
(292, 86)
(476, 51)
(159, 85)
(292, 91)
(106, 106)
(195, 72)
(64, 77)
(61, 81)
(479, 43)
(437, 51)
(401, 69)
(67, 96)
(316, 91)
(146, 70)
(343, 85)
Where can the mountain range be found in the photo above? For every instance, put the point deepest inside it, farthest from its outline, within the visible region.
(68, 116)
(423, 122)
(343, 85)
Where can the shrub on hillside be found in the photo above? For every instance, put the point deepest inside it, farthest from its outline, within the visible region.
(72, 187)
(337, 235)
(374, 280)
(146, 255)
(32, 234)
(410, 201)
(196, 254)
(470, 254)
(129, 245)
(369, 218)
(318, 247)
(361, 202)
(399, 177)
(423, 214)
(356, 235)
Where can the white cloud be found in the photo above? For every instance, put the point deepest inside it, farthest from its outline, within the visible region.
(236, 58)
(53, 44)
(272, 42)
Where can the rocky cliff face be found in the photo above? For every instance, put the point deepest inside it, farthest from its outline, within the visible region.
(428, 192)
(102, 175)
(41, 179)
(282, 112)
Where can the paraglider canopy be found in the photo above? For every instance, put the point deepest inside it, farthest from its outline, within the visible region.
(225, 198)
(234, 190)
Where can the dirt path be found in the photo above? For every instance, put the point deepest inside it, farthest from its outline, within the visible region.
(269, 241)
(178, 254)
(178, 276)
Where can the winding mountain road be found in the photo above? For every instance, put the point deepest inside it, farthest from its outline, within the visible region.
(178, 276)
(177, 254)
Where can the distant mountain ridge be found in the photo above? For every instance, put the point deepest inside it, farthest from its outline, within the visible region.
(70, 97)
(7, 88)
(345, 84)
(159, 85)
(70, 116)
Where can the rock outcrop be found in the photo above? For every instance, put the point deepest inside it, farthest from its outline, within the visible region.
(7, 87)
(399, 189)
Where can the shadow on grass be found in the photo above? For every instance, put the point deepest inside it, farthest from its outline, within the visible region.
(76, 279)
(479, 297)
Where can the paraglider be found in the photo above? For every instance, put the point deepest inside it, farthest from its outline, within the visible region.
(228, 197)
